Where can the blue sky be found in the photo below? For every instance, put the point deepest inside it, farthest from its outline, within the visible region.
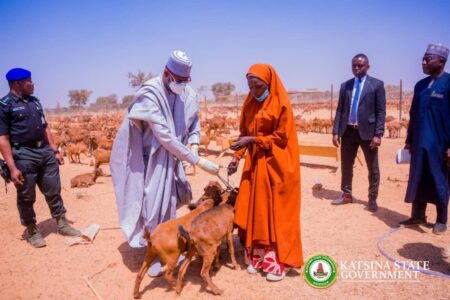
(94, 44)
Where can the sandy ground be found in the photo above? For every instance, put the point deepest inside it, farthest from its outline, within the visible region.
(347, 233)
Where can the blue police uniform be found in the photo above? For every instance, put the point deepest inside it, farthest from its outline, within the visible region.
(24, 122)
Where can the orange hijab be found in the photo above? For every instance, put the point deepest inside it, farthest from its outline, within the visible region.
(267, 208)
(267, 73)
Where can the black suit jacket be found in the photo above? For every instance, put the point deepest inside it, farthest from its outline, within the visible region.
(371, 108)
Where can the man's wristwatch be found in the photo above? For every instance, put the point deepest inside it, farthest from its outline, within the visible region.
(55, 151)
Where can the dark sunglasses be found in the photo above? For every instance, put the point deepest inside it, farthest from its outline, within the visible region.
(178, 80)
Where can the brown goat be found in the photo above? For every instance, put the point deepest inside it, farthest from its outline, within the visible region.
(205, 236)
(74, 151)
(100, 156)
(86, 180)
(165, 241)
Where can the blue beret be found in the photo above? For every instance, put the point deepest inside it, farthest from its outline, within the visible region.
(17, 74)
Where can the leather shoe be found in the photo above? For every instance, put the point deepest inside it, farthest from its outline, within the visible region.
(343, 199)
(414, 222)
(373, 206)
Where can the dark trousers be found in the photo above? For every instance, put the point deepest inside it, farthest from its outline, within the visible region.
(419, 208)
(426, 193)
(38, 166)
(350, 142)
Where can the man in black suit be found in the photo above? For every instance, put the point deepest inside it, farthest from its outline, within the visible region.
(359, 122)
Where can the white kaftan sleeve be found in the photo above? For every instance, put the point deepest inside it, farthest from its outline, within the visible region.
(148, 110)
(194, 132)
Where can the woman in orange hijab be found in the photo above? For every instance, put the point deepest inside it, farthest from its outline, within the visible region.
(267, 209)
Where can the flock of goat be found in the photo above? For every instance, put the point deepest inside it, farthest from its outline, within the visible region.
(93, 135)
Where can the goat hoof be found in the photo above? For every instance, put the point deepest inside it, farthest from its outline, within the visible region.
(137, 296)
(217, 291)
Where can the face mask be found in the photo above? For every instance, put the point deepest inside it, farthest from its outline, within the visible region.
(263, 97)
(177, 88)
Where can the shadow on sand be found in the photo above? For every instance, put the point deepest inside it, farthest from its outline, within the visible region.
(426, 252)
(389, 217)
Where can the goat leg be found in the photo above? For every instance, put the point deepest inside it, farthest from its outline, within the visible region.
(217, 260)
(171, 264)
(231, 247)
(207, 262)
(183, 268)
(149, 258)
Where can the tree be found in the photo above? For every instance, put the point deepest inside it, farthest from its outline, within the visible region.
(203, 90)
(78, 98)
(222, 89)
(136, 80)
(126, 100)
(105, 103)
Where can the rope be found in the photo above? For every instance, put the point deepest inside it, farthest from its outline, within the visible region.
(410, 267)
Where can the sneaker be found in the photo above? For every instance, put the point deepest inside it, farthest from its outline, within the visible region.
(257, 258)
(414, 222)
(35, 237)
(273, 277)
(439, 228)
(344, 199)
(251, 269)
(155, 269)
(272, 264)
(64, 228)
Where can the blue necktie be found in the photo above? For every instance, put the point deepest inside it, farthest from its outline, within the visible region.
(354, 108)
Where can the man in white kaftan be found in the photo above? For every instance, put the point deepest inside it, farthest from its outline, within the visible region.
(148, 176)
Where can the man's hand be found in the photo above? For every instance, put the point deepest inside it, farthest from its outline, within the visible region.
(194, 150)
(242, 142)
(208, 166)
(17, 177)
(60, 158)
(336, 140)
(376, 142)
(233, 166)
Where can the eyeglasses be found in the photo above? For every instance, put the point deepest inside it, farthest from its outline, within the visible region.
(177, 80)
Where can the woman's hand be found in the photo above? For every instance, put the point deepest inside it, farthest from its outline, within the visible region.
(233, 166)
(242, 142)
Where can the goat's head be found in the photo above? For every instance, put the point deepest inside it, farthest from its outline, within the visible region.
(212, 191)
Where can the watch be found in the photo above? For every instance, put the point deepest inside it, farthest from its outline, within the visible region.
(55, 151)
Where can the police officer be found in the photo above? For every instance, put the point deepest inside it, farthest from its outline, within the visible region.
(27, 146)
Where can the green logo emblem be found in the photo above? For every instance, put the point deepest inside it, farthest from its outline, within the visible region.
(320, 271)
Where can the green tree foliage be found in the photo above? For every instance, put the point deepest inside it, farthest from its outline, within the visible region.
(78, 98)
(222, 89)
(126, 100)
(105, 103)
(136, 80)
